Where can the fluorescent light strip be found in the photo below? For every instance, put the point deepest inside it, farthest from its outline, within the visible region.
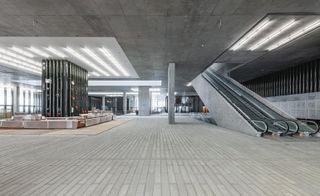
(106, 93)
(154, 89)
(56, 52)
(86, 61)
(22, 58)
(4, 61)
(111, 58)
(8, 58)
(22, 52)
(251, 34)
(274, 34)
(93, 73)
(135, 89)
(133, 83)
(296, 34)
(100, 61)
(132, 93)
(38, 52)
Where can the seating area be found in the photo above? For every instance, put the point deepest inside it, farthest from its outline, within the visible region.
(37, 121)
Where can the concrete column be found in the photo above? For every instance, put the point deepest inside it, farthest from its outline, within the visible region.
(104, 103)
(171, 89)
(144, 101)
(124, 103)
(15, 103)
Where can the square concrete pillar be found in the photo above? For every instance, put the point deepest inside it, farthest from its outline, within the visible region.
(144, 101)
(124, 103)
(171, 89)
(103, 103)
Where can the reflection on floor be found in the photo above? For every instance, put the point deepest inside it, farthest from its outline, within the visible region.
(146, 156)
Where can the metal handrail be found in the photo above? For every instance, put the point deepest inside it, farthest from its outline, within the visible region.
(285, 130)
(311, 122)
(266, 127)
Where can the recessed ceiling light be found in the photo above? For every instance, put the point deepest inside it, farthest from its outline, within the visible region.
(22, 52)
(189, 84)
(93, 73)
(154, 89)
(111, 58)
(38, 52)
(56, 52)
(100, 61)
(306, 29)
(274, 34)
(18, 65)
(20, 57)
(251, 34)
(86, 61)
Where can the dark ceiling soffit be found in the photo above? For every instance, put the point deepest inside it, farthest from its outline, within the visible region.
(269, 14)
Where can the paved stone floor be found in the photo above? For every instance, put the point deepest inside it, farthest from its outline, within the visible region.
(145, 156)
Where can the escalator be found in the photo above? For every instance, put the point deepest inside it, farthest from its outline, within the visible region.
(263, 118)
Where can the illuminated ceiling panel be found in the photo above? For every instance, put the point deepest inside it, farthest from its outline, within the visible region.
(102, 57)
(275, 31)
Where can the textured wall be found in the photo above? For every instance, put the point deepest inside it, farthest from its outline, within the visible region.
(306, 106)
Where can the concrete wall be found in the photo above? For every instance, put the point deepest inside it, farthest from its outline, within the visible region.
(305, 106)
(223, 113)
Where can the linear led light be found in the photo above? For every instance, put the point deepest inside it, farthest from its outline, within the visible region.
(274, 34)
(14, 60)
(132, 93)
(38, 52)
(154, 89)
(135, 89)
(251, 34)
(56, 52)
(107, 93)
(16, 56)
(86, 61)
(124, 83)
(4, 61)
(93, 73)
(22, 52)
(296, 34)
(111, 58)
(100, 61)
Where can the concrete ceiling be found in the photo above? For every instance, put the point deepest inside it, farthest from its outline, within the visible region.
(152, 33)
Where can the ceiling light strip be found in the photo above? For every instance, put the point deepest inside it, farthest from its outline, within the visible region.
(17, 56)
(38, 52)
(22, 52)
(308, 28)
(82, 58)
(6, 62)
(56, 52)
(111, 58)
(100, 61)
(251, 34)
(274, 34)
(8, 58)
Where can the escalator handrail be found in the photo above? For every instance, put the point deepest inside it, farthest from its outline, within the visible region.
(228, 85)
(285, 130)
(229, 101)
(312, 122)
(266, 129)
